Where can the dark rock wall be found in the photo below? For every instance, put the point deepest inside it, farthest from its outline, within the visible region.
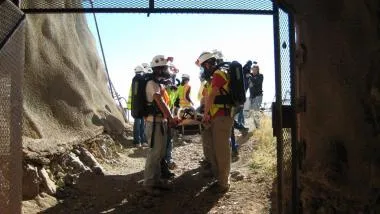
(338, 66)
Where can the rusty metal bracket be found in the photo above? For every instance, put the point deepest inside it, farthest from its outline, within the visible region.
(287, 116)
(287, 112)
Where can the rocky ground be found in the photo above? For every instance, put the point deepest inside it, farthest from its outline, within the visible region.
(120, 189)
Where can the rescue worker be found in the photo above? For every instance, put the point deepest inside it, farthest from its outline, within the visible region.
(157, 123)
(139, 138)
(172, 92)
(236, 125)
(184, 92)
(218, 116)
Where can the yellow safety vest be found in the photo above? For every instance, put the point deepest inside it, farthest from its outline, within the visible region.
(200, 92)
(172, 96)
(129, 102)
(182, 91)
(216, 107)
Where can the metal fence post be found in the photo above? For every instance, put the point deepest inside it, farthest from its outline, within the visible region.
(278, 105)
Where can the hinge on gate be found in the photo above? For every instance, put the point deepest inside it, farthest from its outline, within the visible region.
(287, 118)
(301, 104)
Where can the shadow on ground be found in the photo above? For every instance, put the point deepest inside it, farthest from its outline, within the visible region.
(244, 138)
(124, 194)
(139, 153)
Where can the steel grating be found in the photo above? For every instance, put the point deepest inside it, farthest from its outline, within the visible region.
(8, 14)
(149, 6)
(11, 69)
(287, 171)
(64, 4)
(216, 4)
(285, 57)
(285, 63)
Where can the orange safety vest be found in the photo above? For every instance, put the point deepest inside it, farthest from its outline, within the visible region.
(165, 96)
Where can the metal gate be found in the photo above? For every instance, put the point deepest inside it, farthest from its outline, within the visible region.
(283, 110)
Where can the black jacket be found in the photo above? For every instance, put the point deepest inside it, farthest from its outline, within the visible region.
(256, 88)
(247, 74)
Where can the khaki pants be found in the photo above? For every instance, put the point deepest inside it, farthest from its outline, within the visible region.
(217, 143)
(152, 172)
(207, 143)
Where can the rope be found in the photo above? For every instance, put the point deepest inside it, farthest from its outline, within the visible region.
(111, 86)
(102, 50)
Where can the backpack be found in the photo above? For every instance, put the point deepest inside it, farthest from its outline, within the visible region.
(236, 95)
(139, 104)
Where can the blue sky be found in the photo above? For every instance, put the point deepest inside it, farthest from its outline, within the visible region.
(131, 39)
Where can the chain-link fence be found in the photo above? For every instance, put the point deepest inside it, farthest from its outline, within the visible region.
(11, 69)
(220, 6)
(286, 144)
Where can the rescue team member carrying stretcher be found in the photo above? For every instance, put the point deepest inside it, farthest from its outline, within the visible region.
(148, 102)
(216, 136)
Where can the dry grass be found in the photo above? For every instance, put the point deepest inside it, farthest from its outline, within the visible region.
(264, 154)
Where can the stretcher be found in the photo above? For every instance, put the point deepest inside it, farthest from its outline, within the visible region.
(190, 126)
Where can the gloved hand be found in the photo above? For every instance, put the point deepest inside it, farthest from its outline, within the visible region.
(173, 122)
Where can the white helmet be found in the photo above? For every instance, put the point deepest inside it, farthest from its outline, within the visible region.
(217, 54)
(139, 69)
(187, 113)
(204, 57)
(147, 68)
(159, 60)
(185, 76)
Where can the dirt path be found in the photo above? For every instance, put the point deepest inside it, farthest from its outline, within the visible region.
(120, 190)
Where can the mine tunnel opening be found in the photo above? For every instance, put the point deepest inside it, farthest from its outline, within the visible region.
(282, 34)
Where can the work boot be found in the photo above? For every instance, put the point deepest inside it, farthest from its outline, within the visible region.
(167, 175)
(205, 164)
(207, 173)
(244, 131)
(151, 190)
(218, 189)
(163, 185)
(165, 172)
(172, 165)
(234, 156)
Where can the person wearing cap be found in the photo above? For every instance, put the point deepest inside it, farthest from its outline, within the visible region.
(218, 117)
(246, 76)
(184, 92)
(139, 138)
(256, 93)
(158, 121)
